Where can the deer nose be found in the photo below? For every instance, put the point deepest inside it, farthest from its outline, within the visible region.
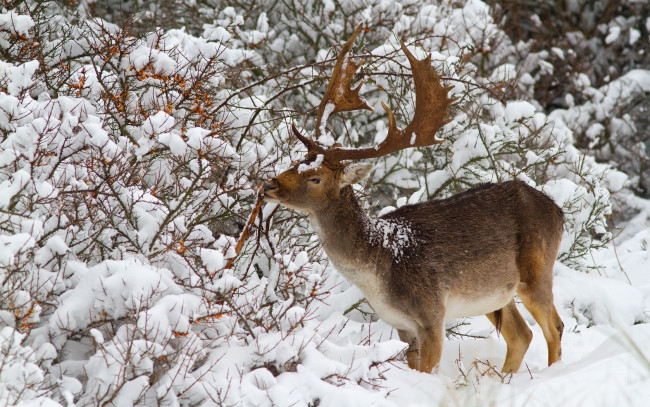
(270, 186)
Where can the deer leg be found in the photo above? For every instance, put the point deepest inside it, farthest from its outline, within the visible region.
(412, 353)
(430, 339)
(516, 333)
(548, 319)
(536, 293)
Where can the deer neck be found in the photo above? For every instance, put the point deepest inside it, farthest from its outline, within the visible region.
(342, 230)
(358, 244)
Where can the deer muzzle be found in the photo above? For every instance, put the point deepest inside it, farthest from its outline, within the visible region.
(270, 187)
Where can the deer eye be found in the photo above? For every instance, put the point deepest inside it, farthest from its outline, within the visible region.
(315, 180)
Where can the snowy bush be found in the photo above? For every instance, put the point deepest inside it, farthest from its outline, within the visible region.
(125, 177)
(590, 59)
(21, 378)
(130, 158)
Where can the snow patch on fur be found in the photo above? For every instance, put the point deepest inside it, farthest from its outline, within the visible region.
(394, 235)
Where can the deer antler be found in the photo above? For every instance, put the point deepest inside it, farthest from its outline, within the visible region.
(431, 104)
(339, 97)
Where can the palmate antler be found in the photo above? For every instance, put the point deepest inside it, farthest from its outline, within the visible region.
(431, 104)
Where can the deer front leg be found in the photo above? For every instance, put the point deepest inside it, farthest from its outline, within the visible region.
(413, 351)
(430, 337)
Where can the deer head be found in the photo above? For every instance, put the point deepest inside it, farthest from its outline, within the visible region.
(311, 183)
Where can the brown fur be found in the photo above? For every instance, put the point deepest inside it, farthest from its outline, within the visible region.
(463, 255)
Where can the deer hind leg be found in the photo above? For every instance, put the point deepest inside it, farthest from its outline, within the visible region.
(413, 352)
(536, 293)
(516, 333)
(548, 319)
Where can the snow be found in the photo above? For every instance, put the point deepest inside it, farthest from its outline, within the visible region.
(517, 110)
(329, 108)
(120, 208)
(213, 259)
(16, 23)
(639, 76)
(18, 78)
(311, 165)
(504, 72)
(393, 234)
(613, 34)
(20, 376)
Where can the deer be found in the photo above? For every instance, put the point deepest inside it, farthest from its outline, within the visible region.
(426, 263)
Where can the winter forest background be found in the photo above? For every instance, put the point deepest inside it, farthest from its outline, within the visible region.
(132, 137)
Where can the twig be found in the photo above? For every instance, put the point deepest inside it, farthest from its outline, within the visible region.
(246, 231)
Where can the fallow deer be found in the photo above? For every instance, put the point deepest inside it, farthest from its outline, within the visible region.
(424, 263)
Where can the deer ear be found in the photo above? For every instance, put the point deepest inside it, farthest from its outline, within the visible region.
(355, 173)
